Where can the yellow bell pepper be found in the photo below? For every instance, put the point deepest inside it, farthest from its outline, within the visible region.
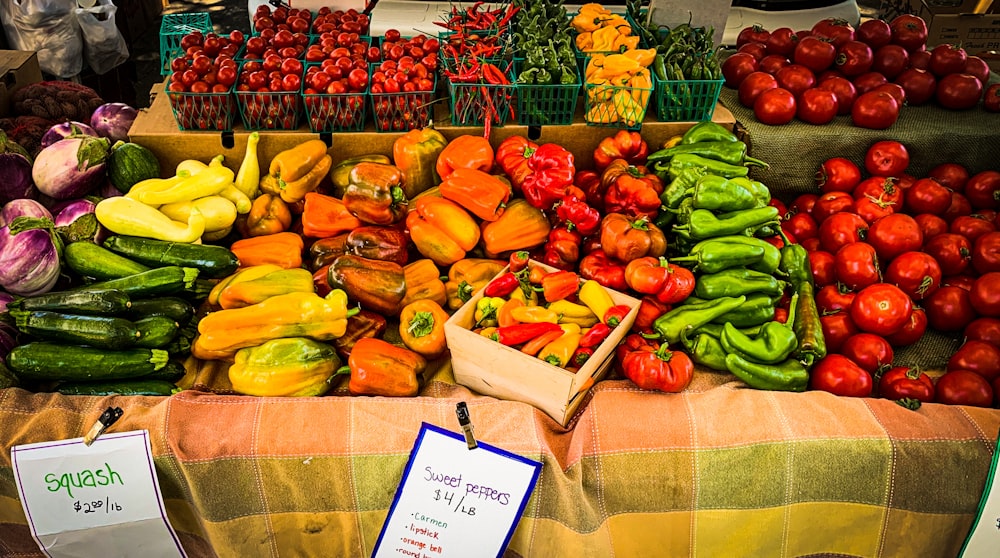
(284, 367)
(488, 310)
(293, 191)
(294, 163)
(558, 352)
(248, 273)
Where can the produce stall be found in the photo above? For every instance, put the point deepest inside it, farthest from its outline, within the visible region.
(699, 346)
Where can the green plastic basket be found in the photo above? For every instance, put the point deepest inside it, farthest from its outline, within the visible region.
(615, 106)
(545, 105)
(687, 100)
(471, 103)
(202, 111)
(334, 112)
(402, 111)
(173, 27)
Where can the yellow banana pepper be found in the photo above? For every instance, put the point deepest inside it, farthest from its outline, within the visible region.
(558, 352)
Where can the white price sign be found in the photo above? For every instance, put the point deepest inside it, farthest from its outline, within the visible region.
(984, 538)
(99, 500)
(456, 501)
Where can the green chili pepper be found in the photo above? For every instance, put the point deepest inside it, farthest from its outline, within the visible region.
(789, 375)
(683, 161)
(758, 309)
(705, 224)
(807, 326)
(659, 68)
(721, 194)
(715, 330)
(668, 327)
(732, 152)
(775, 343)
(678, 188)
(795, 264)
(704, 349)
(716, 254)
(707, 131)
(737, 281)
(761, 193)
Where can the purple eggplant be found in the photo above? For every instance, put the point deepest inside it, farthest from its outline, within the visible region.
(76, 221)
(71, 167)
(65, 130)
(29, 257)
(23, 207)
(15, 168)
(113, 120)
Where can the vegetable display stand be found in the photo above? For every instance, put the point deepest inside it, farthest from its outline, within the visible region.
(494, 369)
(203, 111)
(269, 111)
(473, 103)
(687, 100)
(403, 111)
(616, 107)
(546, 105)
(173, 27)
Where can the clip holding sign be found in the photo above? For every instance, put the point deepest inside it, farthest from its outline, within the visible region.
(107, 418)
(462, 410)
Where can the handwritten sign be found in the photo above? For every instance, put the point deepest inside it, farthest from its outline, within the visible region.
(453, 501)
(103, 499)
(984, 538)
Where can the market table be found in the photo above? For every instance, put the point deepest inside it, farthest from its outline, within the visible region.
(718, 470)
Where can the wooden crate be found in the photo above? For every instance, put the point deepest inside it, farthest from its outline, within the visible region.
(490, 368)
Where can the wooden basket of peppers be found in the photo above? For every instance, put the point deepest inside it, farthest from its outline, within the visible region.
(538, 335)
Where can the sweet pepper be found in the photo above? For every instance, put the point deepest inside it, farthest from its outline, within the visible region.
(631, 189)
(377, 285)
(325, 250)
(388, 244)
(512, 156)
(415, 153)
(423, 281)
(268, 214)
(600, 267)
(298, 170)
(575, 213)
(325, 216)
(623, 145)
(375, 194)
(284, 367)
(441, 229)
(484, 195)
(521, 227)
(466, 277)
(378, 367)
(283, 248)
(359, 326)
(421, 327)
(625, 238)
(340, 173)
(562, 250)
(240, 293)
(465, 152)
(552, 172)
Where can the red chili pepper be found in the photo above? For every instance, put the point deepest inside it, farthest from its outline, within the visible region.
(502, 286)
(615, 315)
(559, 285)
(580, 356)
(519, 260)
(595, 335)
(522, 333)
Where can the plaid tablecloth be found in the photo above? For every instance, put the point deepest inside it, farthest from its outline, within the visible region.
(718, 470)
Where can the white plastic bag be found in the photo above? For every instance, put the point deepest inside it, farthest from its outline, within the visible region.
(104, 47)
(48, 27)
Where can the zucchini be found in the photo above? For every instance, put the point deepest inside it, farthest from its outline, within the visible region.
(155, 282)
(48, 361)
(175, 308)
(100, 302)
(213, 261)
(120, 387)
(156, 331)
(172, 372)
(105, 332)
(87, 259)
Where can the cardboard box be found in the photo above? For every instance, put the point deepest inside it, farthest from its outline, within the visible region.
(974, 32)
(889, 9)
(17, 69)
(156, 129)
(490, 368)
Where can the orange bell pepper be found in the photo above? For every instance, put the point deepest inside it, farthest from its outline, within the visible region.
(294, 163)
(423, 281)
(375, 194)
(421, 327)
(521, 227)
(484, 195)
(268, 214)
(441, 230)
(465, 152)
(378, 367)
(293, 191)
(512, 156)
(625, 238)
(467, 276)
(416, 153)
(325, 216)
(283, 248)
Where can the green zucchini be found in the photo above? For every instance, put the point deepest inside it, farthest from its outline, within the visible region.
(175, 308)
(105, 332)
(213, 261)
(87, 259)
(155, 282)
(48, 361)
(100, 302)
(119, 387)
(172, 372)
(156, 331)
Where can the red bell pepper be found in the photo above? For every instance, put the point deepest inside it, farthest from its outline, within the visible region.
(552, 173)
(512, 156)
(631, 189)
(576, 214)
(598, 266)
(559, 285)
(649, 310)
(589, 182)
(659, 369)
(562, 250)
(623, 145)
(669, 283)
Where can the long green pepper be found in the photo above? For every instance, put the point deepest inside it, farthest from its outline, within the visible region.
(718, 193)
(789, 375)
(734, 153)
(737, 281)
(704, 224)
(715, 254)
(668, 327)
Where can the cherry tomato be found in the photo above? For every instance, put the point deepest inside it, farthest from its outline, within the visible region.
(856, 265)
(822, 264)
(962, 387)
(953, 252)
(753, 85)
(908, 31)
(986, 253)
(983, 329)
(869, 351)
(838, 174)
(844, 90)
(904, 382)
(873, 32)
(881, 308)
(927, 196)
(854, 58)
(949, 309)
(814, 53)
(912, 330)
(817, 106)
(919, 85)
(840, 375)
(916, 273)
(947, 59)
(840, 229)
(894, 234)
(875, 110)
(775, 107)
(890, 61)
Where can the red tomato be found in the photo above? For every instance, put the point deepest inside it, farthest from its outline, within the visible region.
(932, 225)
(927, 196)
(971, 227)
(890, 61)
(895, 90)
(844, 90)
(840, 375)
(803, 203)
(753, 85)
(795, 78)
(856, 265)
(958, 91)
(775, 107)
(949, 309)
(947, 59)
(875, 110)
(839, 31)
(894, 234)
(953, 252)
(757, 50)
(873, 32)
(854, 58)
(838, 174)
(782, 42)
(962, 387)
(909, 31)
(983, 329)
(834, 297)
(919, 85)
(980, 357)
(887, 158)
(903, 382)
(991, 98)
(753, 33)
(837, 327)
(916, 273)
(829, 203)
(737, 67)
(885, 188)
(867, 350)
(963, 282)
(912, 330)
(978, 67)
(985, 294)
(951, 175)
(872, 209)
(960, 207)
(868, 81)
(357, 80)
(840, 229)
(772, 63)
(983, 190)
(817, 106)
(802, 226)
(814, 53)
(822, 264)
(986, 253)
(881, 308)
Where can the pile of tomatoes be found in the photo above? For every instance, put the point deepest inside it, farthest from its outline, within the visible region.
(402, 84)
(867, 73)
(207, 65)
(894, 254)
